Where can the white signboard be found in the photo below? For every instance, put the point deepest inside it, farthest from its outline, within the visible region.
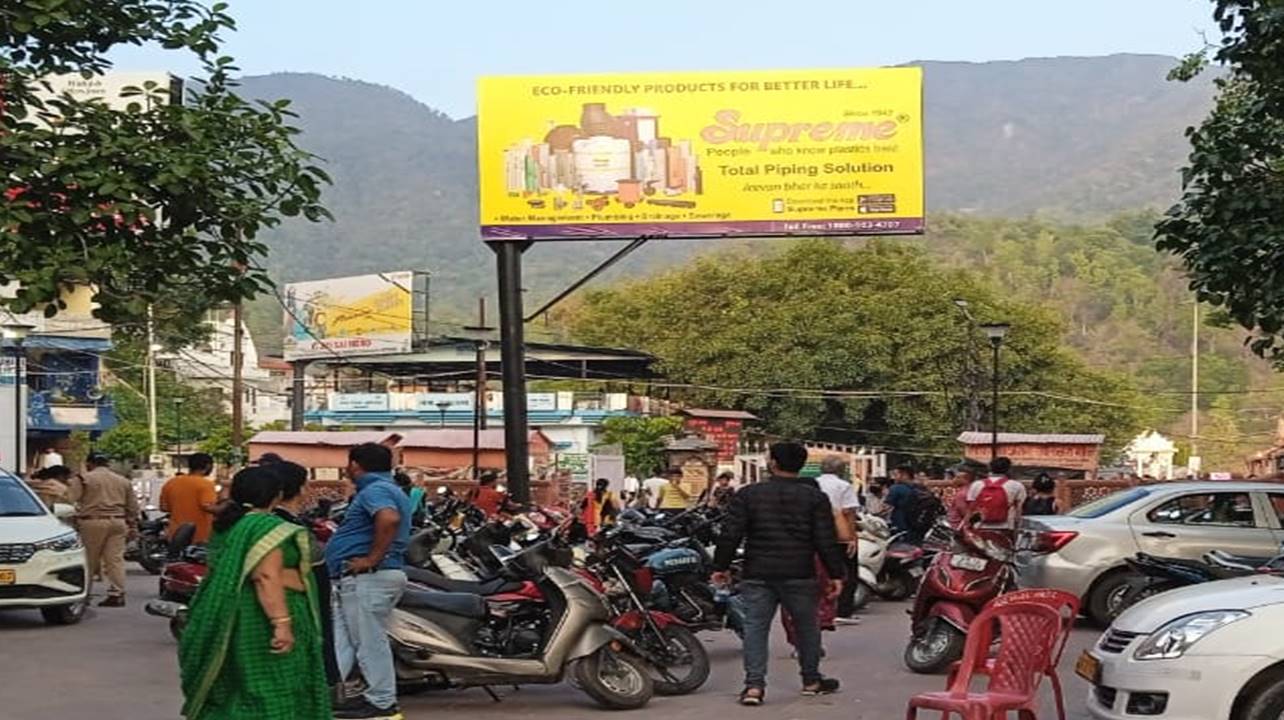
(534, 401)
(7, 434)
(350, 316)
(359, 402)
(450, 402)
(109, 88)
(541, 401)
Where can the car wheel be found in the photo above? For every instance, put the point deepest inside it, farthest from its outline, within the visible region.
(1266, 703)
(1106, 600)
(63, 614)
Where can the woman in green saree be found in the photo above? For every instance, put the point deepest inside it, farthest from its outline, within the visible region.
(252, 646)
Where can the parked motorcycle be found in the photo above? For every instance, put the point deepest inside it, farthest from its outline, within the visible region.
(1157, 575)
(677, 658)
(887, 567)
(150, 549)
(448, 640)
(974, 569)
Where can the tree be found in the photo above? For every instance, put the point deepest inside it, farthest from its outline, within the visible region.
(127, 442)
(164, 200)
(861, 345)
(1228, 228)
(641, 439)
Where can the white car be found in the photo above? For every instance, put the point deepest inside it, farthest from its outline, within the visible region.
(1213, 651)
(42, 561)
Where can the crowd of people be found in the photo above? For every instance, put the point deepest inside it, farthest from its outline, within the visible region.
(279, 624)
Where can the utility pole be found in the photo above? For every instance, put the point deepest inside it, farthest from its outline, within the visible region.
(151, 381)
(238, 390)
(1194, 463)
(480, 330)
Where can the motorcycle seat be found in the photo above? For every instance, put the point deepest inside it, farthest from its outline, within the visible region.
(1236, 562)
(460, 604)
(440, 582)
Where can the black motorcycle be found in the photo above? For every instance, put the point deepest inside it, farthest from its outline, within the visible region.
(1155, 574)
(151, 549)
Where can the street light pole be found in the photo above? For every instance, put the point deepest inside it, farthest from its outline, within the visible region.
(973, 362)
(995, 332)
(481, 332)
(178, 425)
(16, 333)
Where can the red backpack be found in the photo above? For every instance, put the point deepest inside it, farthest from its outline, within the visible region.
(992, 503)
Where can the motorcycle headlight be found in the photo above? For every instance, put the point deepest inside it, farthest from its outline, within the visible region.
(61, 543)
(1173, 640)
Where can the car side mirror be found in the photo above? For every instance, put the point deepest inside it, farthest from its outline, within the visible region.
(63, 511)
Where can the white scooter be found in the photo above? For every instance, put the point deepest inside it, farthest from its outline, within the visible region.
(874, 538)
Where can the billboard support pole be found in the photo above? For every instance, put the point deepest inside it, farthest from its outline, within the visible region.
(508, 256)
(298, 376)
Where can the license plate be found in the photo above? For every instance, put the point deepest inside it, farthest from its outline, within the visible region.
(8, 577)
(967, 562)
(1088, 668)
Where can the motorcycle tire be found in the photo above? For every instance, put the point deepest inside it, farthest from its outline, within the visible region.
(1142, 591)
(934, 650)
(861, 595)
(689, 668)
(177, 625)
(900, 586)
(615, 680)
(152, 556)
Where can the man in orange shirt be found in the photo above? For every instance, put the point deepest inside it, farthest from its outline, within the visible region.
(191, 498)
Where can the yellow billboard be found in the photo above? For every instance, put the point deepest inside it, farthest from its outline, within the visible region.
(701, 154)
(350, 316)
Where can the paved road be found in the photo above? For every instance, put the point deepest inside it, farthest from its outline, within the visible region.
(121, 664)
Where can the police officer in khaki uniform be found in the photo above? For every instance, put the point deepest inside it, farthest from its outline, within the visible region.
(107, 516)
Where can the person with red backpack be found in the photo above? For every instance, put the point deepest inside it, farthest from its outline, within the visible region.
(994, 502)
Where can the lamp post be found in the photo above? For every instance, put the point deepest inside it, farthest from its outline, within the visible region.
(480, 334)
(16, 333)
(442, 406)
(973, 365)
(995, 332)
(178, 425)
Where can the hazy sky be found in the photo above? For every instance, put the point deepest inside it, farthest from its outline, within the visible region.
(435, 50)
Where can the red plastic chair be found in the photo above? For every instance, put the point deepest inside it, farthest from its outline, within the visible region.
(1067, 605)
(1029, 634)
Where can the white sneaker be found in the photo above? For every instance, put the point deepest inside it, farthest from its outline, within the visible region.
(847, 621)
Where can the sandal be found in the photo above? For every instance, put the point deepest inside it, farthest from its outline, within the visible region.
(752, 696)
(824, 686)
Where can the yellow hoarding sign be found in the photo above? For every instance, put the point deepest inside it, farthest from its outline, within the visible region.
(361, 315)
(793, 152)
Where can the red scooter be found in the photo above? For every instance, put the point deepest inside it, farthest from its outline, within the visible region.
(973, 568)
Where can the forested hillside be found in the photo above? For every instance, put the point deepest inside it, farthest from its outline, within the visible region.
(1043, 176)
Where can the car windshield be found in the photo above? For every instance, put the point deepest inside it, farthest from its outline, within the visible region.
(1108, 504)
(16, 500)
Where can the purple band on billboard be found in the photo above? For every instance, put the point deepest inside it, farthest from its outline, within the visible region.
(749, 228)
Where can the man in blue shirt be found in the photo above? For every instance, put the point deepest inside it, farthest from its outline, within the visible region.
(365, 558)
(898, 498)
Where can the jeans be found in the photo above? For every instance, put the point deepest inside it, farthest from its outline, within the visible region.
(826, 609)
(362, 608)
(800, 599)
(847, 598)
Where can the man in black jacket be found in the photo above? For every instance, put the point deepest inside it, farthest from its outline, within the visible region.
(785, 523)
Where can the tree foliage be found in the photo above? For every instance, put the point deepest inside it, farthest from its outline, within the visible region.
(1228, 227)
(159, 201)
(641, 439)
(865, 345)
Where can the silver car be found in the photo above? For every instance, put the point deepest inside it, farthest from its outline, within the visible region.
(1083, 551)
